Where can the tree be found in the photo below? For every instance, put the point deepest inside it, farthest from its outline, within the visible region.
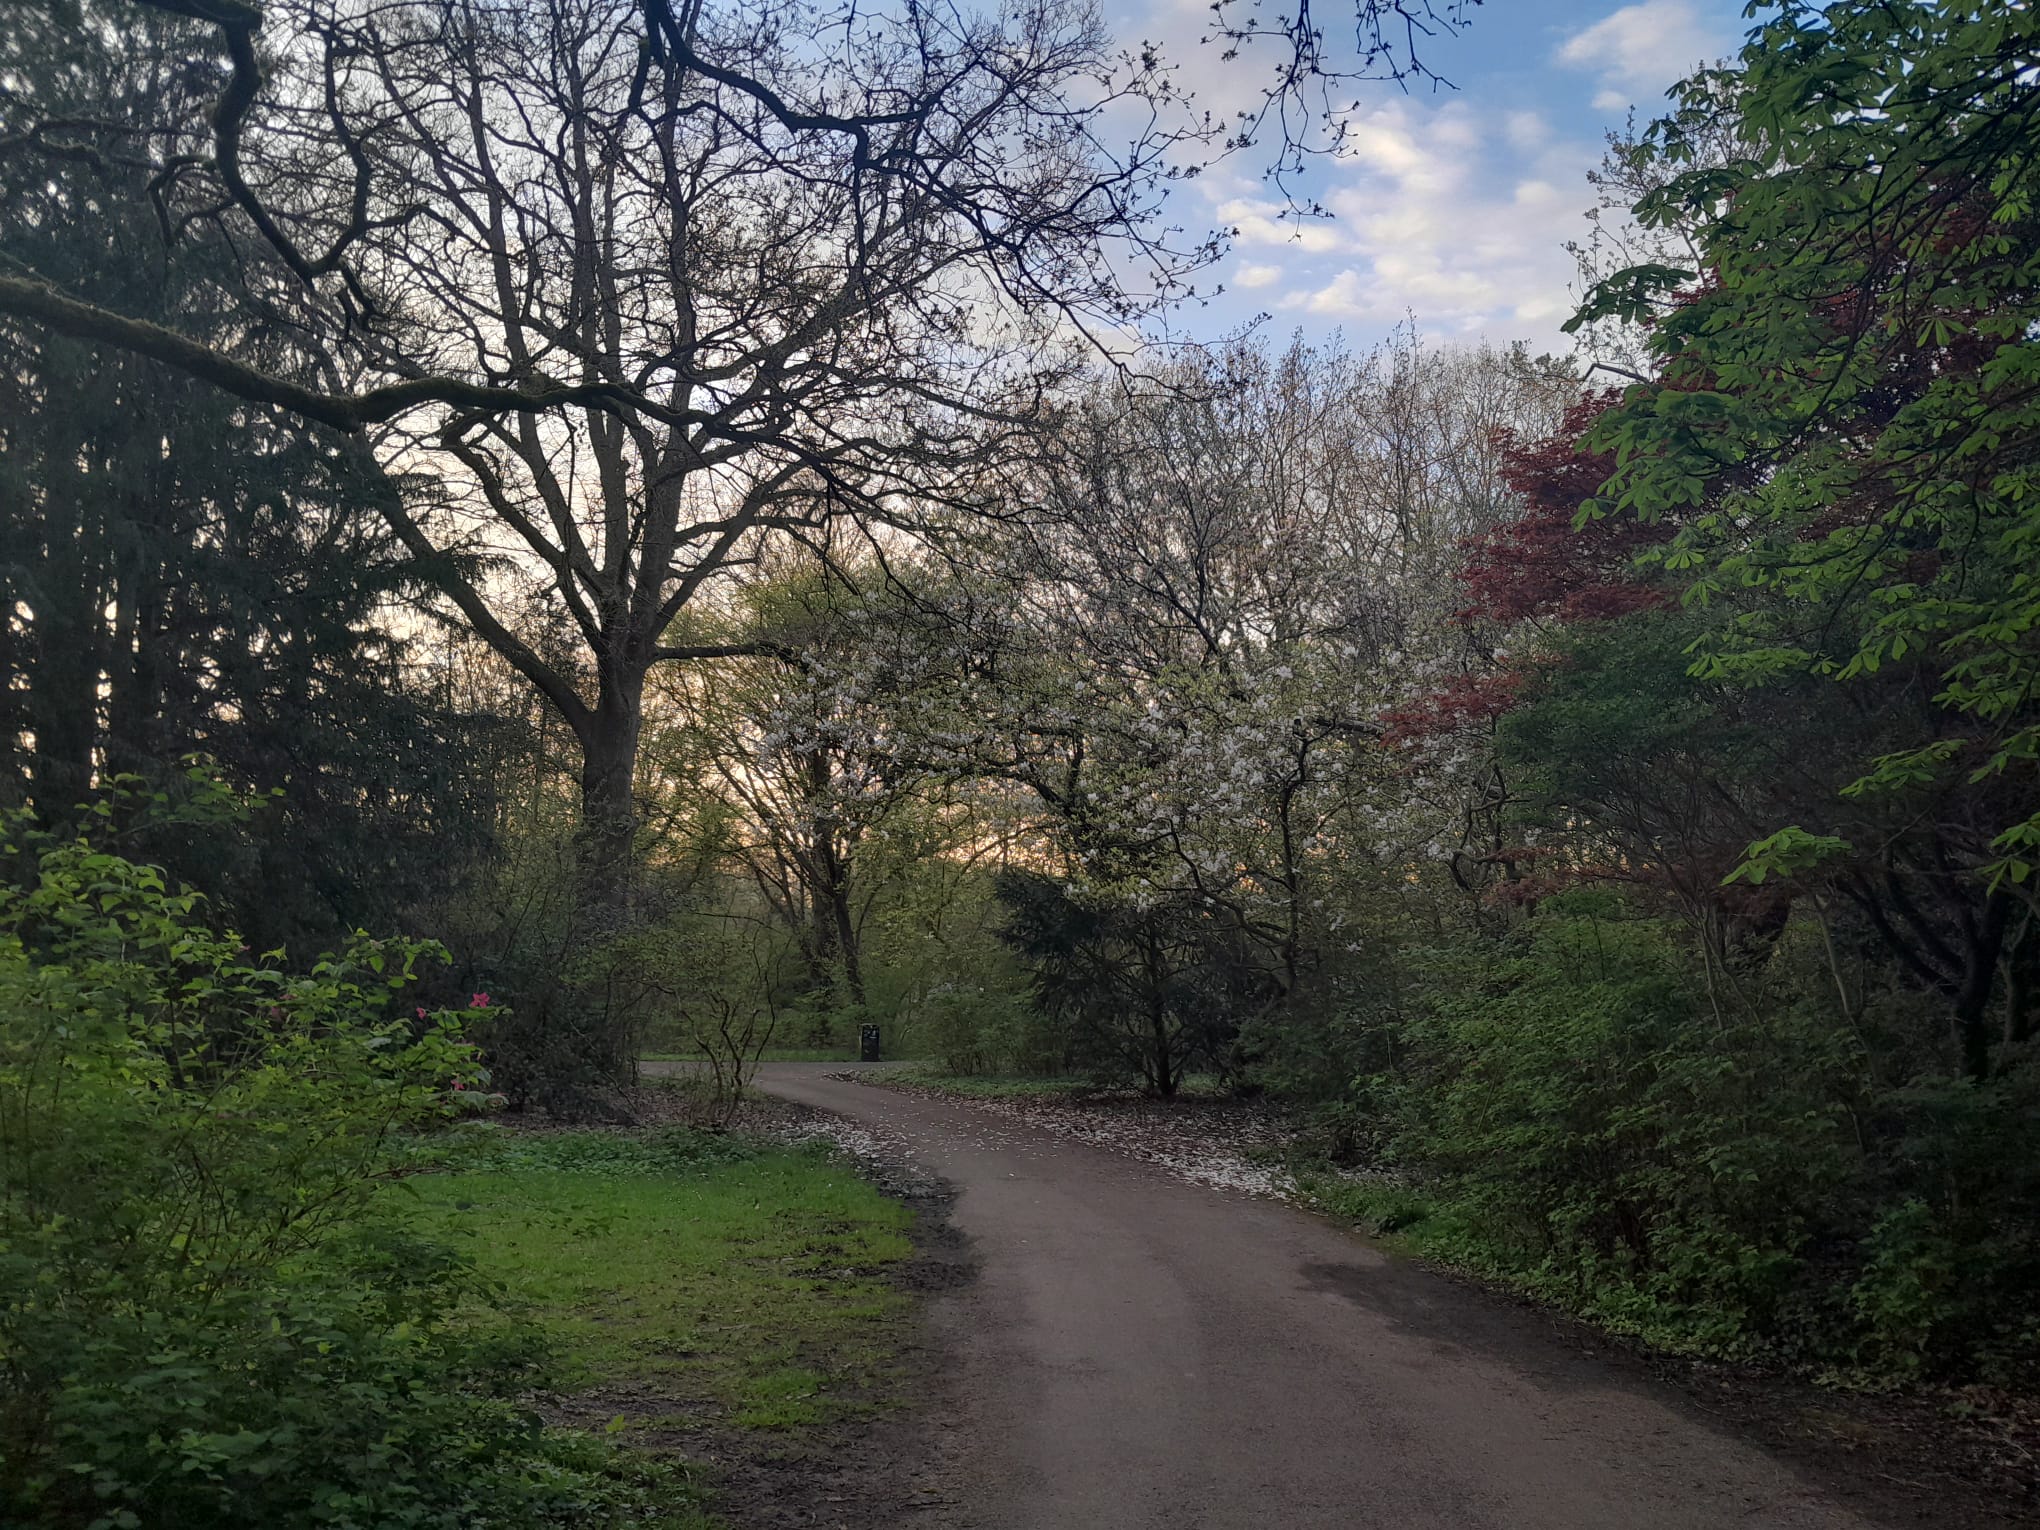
(1305, 99)
(1605, 758)
(809, 746)
(1843, 426)
(1179, 652)
(625, 290)
(184, 573)
(1150, 984)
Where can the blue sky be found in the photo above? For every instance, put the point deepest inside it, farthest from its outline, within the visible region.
(1451, 206)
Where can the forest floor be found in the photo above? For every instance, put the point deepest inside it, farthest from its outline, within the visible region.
(1139, 1274)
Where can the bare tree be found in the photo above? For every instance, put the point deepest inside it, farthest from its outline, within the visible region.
(622, 289)
(1313, 62)
(1615, 241)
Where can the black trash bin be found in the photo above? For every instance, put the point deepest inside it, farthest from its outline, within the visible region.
(867, 1043)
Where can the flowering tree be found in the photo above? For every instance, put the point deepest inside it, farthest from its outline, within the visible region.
(1220, 585)
(809, 746)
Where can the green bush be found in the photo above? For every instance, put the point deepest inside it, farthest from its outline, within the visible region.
(571, 1032)
(1146, 987)
(210, 1313)
(1611, 1138)
(1710, 1162)
(1948, 1267)
(976, 1030)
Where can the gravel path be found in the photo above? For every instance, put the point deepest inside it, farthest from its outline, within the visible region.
(1224, 1144)
(1148, 1348)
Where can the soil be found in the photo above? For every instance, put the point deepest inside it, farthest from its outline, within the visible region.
(1968, 1458)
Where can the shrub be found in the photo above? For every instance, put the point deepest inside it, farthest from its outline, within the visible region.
(1147, 985)
(1948, 1268)
(1715, 1166)
(1610, 1137)
(976, 1029)
(570, 1035)
(209, 1314)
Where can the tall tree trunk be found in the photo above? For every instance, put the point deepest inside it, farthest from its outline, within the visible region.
(63, 699)
(134, 687)
(609, 823)
(831, 857)
(846, 935)
(1165, 1063)
(1986, 942)
(1292, 889)
(831, 944)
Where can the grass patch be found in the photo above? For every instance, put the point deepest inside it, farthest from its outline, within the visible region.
(1384, 1209)
(692, 1282)
(623, 1489)
(783, 1399)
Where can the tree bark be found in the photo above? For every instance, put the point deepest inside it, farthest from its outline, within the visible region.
(609, 821)
(846, 937)
(1979, 976)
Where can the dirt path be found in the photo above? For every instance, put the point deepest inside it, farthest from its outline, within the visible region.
(1145, 1354)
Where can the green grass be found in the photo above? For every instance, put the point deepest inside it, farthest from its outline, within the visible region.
(1383, 1208)
(711, 1283)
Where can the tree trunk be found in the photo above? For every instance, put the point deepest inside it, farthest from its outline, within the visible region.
(846, 937)
(63, 698)
(831, 942)
(609, 823)
(1972, 996)
(1165, 1072)
(1292, 888)
(2017, 961)
(134, 681)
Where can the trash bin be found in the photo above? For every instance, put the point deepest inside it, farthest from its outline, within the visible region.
(867, 1043)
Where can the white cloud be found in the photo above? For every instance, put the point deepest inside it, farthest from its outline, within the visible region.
(1454, 216)
(1451, 209)
(1258, 222)
(1636, 53)
(1528, 131)
(1192, 43)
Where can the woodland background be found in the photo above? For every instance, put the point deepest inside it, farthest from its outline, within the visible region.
(639, 518)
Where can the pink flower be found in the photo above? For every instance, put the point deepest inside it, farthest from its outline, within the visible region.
(458, 1084)
(479, 1001)
(421, 1012)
